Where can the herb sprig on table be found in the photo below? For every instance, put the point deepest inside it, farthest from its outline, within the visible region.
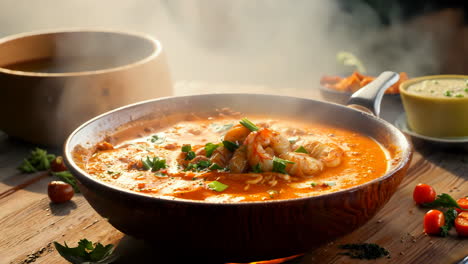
(87, 252)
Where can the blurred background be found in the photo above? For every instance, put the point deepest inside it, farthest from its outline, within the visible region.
(270, 43)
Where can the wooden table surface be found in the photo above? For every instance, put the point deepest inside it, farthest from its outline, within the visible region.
(29, 223)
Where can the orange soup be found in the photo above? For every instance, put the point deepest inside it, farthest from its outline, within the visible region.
(228, 159)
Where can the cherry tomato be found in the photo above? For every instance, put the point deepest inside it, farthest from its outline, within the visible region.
(423, 193)
(461, 224)
(58, 165)
(463, 203)
(433, 221)
(59, 191)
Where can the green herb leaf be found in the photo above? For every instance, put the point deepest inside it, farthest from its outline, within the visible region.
(257, 168)
(217, 186)
(186, 148)
(301, 149)
(248, 124)
(459, 96)
(201, 165)
(38, 160)
(67, 177)
(279, 165)
(215, 166)
(154, 163)
(450, 216)
(448, 93)
(190, 155)
(443, 200)
(313, 184)
(86, 252)
(209, 148)
(231, 146)
(158, 139)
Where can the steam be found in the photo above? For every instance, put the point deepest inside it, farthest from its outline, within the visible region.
(252, 42)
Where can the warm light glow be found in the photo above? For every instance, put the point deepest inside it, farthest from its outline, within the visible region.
(273, 261)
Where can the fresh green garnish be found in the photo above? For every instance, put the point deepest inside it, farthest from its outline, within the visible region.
(209, 148)
(215, 166)
(217, 186)
(466, 89)
(444, 200)
(67, 177)
(279, 165)
(158, 138)
(450, 216)
(231, 146)
(154, 163)
(448, 93)
(301, 149)
(248, 124)
(87, 253)
(313, 184)
(329, 183)
(186, 148)
(293, 140)
(38, 160)
(201, 165)
(459, 95)
(349, 59)
(257, 168)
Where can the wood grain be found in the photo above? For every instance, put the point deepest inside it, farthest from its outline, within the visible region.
(29, 223)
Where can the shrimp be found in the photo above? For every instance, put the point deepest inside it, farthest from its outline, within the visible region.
(263, 145)
(303, 166)
(330, 154)
(221, 156)
(238, 162)
(237, 134)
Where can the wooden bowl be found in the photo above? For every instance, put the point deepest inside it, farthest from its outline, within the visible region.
(243, 231)
(53, 81)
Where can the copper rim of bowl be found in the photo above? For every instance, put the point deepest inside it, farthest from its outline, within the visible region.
(157, 49)
(404, 159)
(405, 84)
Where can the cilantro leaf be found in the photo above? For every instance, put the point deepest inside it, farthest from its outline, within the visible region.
(186, 148)
(450, 216)
(154, 163)
(301, 149)
(217, 186)
(86, 252)
(443, 200)
(257, 168)
(279, 165)
(201, 165)
(209, 148)
(38, 160)
(67, 176)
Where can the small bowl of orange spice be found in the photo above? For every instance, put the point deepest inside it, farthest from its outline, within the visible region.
(339, 89)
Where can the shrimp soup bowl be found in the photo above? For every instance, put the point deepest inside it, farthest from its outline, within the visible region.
(238, 231)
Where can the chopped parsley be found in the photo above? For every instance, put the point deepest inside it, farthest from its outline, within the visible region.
(38, 160)
(158, 139)
(217, 186)
(448, 93)
(248, 124)
(279, 165)
(154, 163)
(209, 148)
(190, 154)
(231, 146)
(459, 95)
(201, 165)
(215, 166)
(313, 184)
(186, 148)
(301, 149)
(87, 252)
